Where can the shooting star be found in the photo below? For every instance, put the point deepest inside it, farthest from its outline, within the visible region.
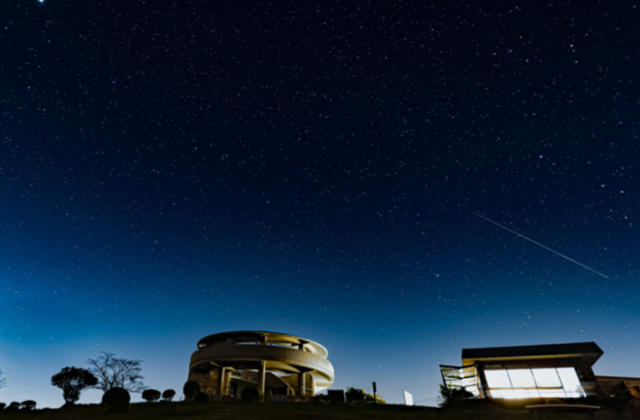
(539, 244)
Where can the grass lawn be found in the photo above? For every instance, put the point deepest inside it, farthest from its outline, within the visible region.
(265, 411)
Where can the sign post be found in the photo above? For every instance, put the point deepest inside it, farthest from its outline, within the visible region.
(375, 392)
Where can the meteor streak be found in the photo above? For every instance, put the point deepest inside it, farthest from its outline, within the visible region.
(539, 244)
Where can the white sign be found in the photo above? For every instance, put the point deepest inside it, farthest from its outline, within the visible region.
(408, 398)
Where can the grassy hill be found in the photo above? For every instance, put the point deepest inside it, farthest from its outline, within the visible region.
(265, 411)
(300, 411)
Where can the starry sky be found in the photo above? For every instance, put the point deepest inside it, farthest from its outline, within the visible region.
(173, 169)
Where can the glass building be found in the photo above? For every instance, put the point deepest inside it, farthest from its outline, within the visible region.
(542, 371)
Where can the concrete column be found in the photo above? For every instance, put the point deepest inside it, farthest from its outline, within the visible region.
(301, 384)
(313, 386)
(261, 377)
(221, 386)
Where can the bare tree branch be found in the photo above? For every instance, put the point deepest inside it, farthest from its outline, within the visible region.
(114, 372)
(3, 381)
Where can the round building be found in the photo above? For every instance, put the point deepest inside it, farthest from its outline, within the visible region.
(270, 365)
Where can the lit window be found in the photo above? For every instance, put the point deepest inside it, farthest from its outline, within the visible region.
(547, 378)
(497, 378)
(513, 394)
(521, 378)
(571, 382)
(534, 383)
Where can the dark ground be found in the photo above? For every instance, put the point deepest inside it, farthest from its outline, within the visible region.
(267, 411)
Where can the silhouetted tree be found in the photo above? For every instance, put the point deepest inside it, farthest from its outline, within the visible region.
(151, 395)
(115, 372)
(168, 394)
(3, 381)
(116, 398)
(2, 406)
(72, 381)
(190, 389)
(28, 405)
(14, 407)
(452, 396)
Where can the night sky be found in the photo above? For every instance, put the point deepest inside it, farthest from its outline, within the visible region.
(174, 169)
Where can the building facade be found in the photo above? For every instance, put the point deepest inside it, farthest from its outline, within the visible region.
(542, 371)
(272, 365)
(619, 386)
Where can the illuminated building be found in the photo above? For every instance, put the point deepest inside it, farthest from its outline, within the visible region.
(542, 371)
(277, 365)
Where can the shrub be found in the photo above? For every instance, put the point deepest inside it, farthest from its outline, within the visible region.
(371, 399)
(168, 394)
(191, 389)
(453, 396)
(28, 405)
(359, 395)
(151, 395)
(321, 398)
(250, 394)
(202, 397)
(14, 407)
(116, 398)
(355, 395)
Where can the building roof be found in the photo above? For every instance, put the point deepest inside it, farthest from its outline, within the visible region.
(590, 351)
(266, 337)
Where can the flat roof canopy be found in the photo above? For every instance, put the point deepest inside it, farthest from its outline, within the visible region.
(270, 337)
(589, 351)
